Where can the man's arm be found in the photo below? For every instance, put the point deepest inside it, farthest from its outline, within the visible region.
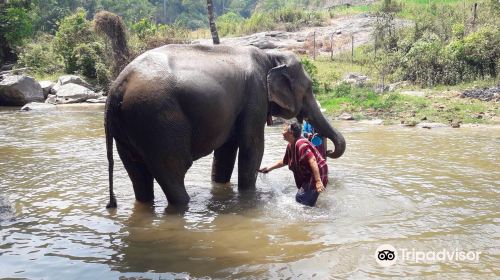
(278, 164)
(315, 172)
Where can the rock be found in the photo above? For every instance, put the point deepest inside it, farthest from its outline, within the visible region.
(51, 99)
(262, 43)
(346, 117)
(455, 123)
(73, 93)
(431, 125)
(413, 93)
(381, 89)
(46, 87)
(6, 67)
(397, 85)
(69, 79)
(373, 122)
(37, 106)
(73, 79)
(356, 79)
(100, 99)
(486, 94)
(17, 90)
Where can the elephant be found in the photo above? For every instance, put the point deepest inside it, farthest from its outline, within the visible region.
(175, 104)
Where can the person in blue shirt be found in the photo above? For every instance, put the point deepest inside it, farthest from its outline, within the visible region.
(317, 139)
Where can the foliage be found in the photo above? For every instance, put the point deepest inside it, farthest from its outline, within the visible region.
(86, 57)
(312, 71)
(15, 24)
(73, 31)
(439, 48)
(229, 23)
(80, 48)
(144, 28)
(130, 10)
(40, 56)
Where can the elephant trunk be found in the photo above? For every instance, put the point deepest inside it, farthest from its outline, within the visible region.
(320, 123)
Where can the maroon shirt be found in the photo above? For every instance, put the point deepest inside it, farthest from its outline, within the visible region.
(297, 160)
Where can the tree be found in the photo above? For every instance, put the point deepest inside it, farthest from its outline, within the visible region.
(211, 20)
(15, 26)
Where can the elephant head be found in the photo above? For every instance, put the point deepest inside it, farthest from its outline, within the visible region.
(290, 95)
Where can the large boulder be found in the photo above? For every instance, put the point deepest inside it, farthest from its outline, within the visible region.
(17, 90)
(69, 79)
(356, 79)
(73, 93)
(37, 106)
(46, 87)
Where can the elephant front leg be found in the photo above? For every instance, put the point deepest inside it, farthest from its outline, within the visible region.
(223, 162)
(251, 150)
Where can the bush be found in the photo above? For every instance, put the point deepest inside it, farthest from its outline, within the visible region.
(40, 56)
(87, 56)
(81, 50)
(74, 30)
(482, 50)
(229, 24)
(342, 90)
(423, 62)
(312, 70)
(103, 75)
(144, 28)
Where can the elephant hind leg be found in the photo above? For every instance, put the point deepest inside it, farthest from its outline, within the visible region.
(142, 179)
(223, 162)
(170, 175)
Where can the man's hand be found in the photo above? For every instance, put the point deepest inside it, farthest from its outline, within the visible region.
(319, 186)
(264, 170)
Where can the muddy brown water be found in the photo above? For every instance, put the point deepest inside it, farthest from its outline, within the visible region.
(423, 190)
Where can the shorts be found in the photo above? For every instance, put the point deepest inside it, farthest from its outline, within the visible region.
(307, 196)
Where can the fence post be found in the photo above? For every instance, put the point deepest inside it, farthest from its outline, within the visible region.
(352, 48)
(331, 47)
(314, 48)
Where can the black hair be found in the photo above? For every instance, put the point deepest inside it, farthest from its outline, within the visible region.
(295, 129)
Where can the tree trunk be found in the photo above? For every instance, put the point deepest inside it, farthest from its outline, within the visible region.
(211, 20)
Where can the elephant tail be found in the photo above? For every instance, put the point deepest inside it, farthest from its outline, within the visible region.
(109, 148)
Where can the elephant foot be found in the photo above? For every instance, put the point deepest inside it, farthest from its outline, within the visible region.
(111, 204)
(178, 200)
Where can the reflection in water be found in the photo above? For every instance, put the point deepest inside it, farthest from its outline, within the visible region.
(411, 188)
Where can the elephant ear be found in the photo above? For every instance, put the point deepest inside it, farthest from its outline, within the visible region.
(279, 89)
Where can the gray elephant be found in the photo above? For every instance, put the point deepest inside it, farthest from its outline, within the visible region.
(175, 104)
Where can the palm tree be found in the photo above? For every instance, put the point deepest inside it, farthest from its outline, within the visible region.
(211, 20)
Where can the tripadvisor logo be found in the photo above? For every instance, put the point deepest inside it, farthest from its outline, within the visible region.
(386, 255)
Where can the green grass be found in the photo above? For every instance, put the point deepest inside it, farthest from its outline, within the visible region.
(350, 10)
(440, 104)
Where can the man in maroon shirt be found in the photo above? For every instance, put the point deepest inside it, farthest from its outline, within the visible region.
(309, 167)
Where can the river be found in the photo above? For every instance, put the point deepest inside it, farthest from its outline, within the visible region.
(418, 190)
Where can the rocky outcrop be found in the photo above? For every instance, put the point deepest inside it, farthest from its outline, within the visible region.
(356, 79)
(486, 94)
(69, 79)
(336, 37)
(73, 93)
(17, 90)
(46, 87)
(37, 106)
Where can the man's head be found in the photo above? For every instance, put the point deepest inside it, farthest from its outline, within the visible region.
(292, 132)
